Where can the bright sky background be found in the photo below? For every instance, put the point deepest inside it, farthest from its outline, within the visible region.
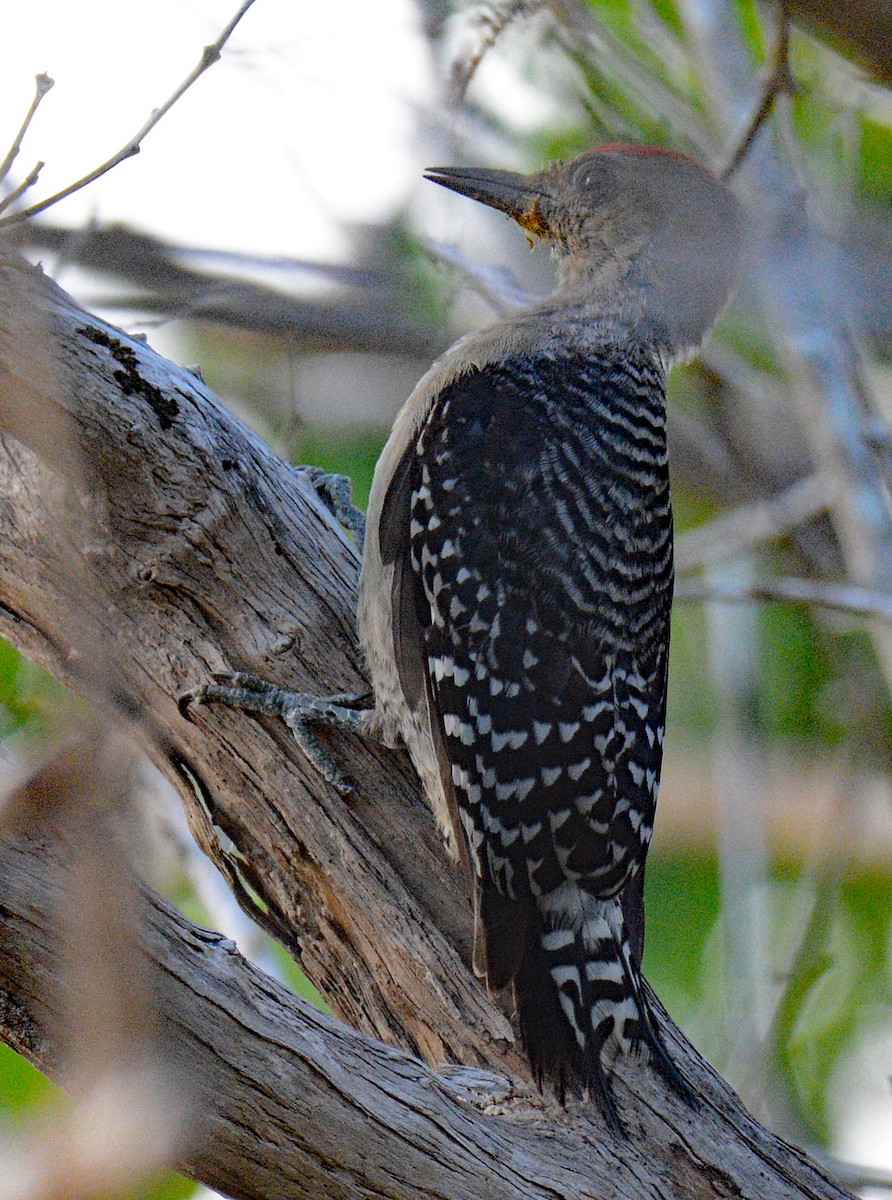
(313, 115)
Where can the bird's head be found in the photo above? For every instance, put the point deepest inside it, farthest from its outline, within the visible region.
(650, 237)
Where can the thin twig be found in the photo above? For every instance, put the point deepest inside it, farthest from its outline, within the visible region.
(29, 181)
(589, 42)
(845, 598)
(734, 534)
(209, 56)
(488, 23)
(43, 84)
(780, 79)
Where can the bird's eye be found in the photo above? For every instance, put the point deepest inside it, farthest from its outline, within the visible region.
(588, 175)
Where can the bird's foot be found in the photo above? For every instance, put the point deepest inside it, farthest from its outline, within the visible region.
(336, 492)
(299, 712)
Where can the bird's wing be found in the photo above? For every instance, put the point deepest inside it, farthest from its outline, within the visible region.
(409, 619)
(533, 598)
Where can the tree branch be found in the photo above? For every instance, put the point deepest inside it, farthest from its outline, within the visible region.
(846, 598)
(743, 529)
(209, 55)
(317, 1092)
(197, 550)
(779, 79)
(43, 84)
(187, 506)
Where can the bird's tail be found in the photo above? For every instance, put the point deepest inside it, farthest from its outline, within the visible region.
(580, 998)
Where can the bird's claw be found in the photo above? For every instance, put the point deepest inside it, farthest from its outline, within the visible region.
(241, 690)
(336, 492)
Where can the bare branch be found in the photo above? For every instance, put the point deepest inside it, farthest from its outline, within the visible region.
(844, 598)
(209, 56)
(28, 182)
(207, 552)
(367, 309)
(738, 532)
(498, 287)
(481, 27)
(43, 84)
(233, 1032)
(780, 79)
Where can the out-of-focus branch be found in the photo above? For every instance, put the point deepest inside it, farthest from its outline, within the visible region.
(779, 79)
(366, 308)
(497, 286)
(738, 532)
(864, 26)
(479, 32)
(100, 1005)
(856, 602)
(854, 1176)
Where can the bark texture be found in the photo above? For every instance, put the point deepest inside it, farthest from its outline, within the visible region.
(149, 539)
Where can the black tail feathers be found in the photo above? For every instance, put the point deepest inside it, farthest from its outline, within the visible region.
(581, 1002)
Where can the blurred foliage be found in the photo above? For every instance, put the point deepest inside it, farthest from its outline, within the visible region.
(875, 161)
(830, 990)
(21, 1085)
(25, 1092)
(29, 697)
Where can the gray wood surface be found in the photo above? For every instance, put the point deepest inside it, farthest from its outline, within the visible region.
(149, 539)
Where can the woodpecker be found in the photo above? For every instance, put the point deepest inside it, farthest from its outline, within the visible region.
(517, 581)
(516, 588)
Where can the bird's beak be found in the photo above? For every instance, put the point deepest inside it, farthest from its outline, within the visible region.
(520, 196)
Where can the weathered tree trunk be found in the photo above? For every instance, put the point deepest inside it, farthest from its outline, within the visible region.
(149, 539)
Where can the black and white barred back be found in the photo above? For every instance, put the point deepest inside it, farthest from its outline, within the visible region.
(541, 557)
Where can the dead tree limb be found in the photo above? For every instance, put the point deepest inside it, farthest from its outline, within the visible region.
(196, 549)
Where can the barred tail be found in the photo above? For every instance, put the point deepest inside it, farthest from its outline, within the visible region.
(580, 999)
